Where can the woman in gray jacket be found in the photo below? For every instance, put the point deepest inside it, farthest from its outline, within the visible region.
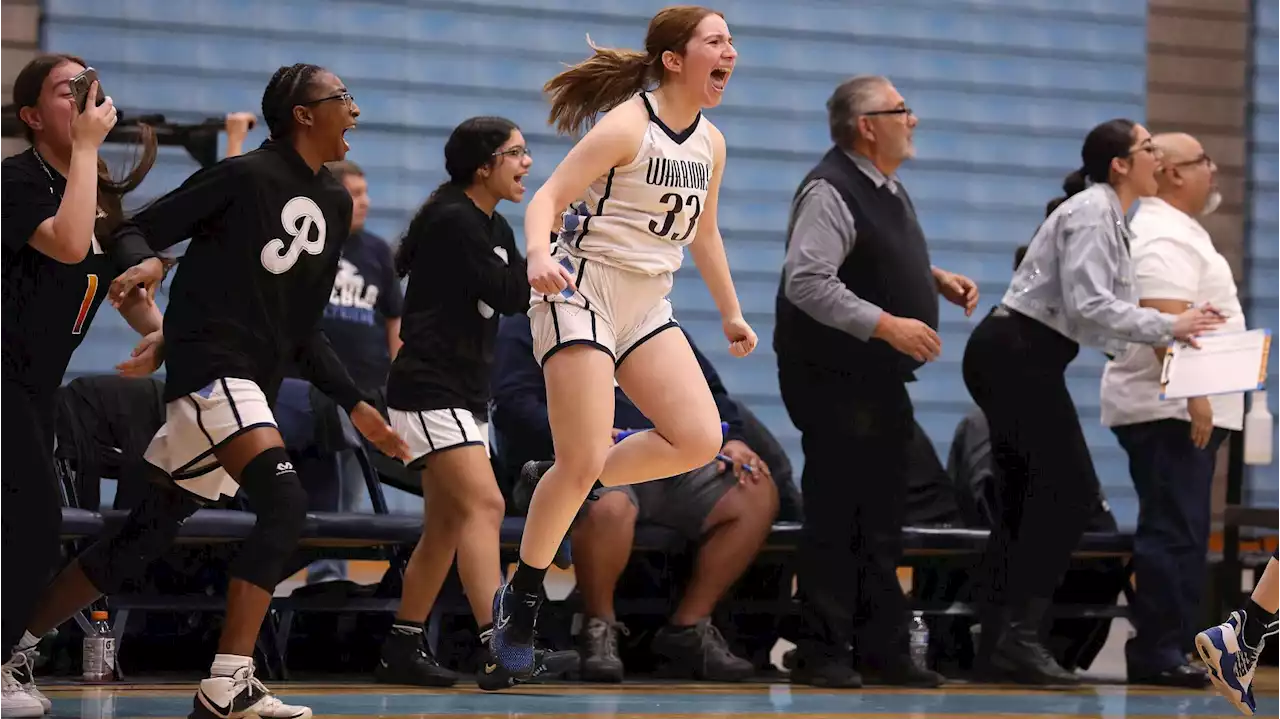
(1075, 287)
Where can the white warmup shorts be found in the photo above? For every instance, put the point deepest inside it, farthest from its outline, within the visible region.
(436, 430)
(199, 423)
(613, 310)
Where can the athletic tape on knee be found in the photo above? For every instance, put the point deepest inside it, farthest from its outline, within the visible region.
(280, 503)
(149, 530)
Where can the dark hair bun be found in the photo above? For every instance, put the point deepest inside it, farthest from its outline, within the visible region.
(1074, 182)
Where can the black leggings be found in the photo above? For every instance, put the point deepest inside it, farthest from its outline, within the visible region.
(1013, 367)
(32, 508)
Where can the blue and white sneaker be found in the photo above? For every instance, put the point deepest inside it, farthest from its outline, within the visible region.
(1230, 662)
(514, 618)
(547, 664)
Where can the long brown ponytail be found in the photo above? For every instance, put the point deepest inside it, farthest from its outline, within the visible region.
(610, 76)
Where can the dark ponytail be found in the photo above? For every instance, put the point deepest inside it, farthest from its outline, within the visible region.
(1073, 183)
(469, 148)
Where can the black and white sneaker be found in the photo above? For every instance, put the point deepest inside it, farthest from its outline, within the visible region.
(239, 697)
(406, 659)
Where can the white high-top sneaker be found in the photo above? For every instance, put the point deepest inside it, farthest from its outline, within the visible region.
(25, 674)
(239, 696)
(14, 699)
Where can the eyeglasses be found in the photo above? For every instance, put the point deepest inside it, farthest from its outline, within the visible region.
(894, 111)
(344, 96)
(516, 152)
(1148, 146)
(1203, 159)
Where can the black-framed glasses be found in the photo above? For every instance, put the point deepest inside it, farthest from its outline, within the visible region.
(1203, 159)
(346, 97)
(894, 111)
(516, 152)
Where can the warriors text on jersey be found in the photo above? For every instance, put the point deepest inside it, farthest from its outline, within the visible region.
(266, 234)
(640, 216)
(48, 305)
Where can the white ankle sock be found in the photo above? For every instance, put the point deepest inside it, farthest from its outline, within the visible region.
(28, 640)
(226, 665)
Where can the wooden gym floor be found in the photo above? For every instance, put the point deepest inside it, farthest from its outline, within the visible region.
(671, 701)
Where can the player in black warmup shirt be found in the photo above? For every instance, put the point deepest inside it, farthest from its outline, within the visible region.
(60, 206)
(266, 232)
(464, 271)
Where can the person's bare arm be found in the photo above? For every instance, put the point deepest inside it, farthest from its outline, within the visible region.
(238, 126)
(707, 247)
(1169, 307)
(394, 343)
(614, 141)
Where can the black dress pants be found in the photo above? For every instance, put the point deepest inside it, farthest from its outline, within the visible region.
(1014, 368)
(857, 439)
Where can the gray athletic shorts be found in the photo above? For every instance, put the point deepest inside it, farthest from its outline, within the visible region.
(682, 502)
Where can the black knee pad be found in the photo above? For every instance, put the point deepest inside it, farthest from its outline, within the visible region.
(147, 532)
(278, 499)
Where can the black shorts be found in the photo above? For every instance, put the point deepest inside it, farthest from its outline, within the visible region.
(682, 502)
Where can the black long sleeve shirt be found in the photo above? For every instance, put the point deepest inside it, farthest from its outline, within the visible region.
(266, 234)
(48, 305)
(466, 271)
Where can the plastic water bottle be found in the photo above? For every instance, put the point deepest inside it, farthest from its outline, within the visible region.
(99, 654)
(919, 641)
(98, 703)
(1258, 431)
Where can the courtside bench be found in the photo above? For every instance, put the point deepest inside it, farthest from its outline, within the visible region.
(382, 536)
(386, 536)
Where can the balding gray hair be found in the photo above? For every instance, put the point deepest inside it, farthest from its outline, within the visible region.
(852, 98)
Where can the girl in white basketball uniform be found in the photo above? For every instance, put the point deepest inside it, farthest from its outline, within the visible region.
(642, 185)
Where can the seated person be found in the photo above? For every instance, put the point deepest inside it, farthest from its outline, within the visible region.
(729, 510)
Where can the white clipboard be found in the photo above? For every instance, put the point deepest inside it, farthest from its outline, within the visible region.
(1225, 363)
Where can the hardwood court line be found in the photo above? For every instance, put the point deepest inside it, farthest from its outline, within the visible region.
(730, 715)
(338, 688)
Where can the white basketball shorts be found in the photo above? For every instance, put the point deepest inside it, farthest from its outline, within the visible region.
(199, 423)
(436, 430)
(613, 310)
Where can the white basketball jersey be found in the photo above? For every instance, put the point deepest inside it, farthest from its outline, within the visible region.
(640, 216)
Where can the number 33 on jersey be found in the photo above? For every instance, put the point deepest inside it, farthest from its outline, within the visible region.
(640, 216)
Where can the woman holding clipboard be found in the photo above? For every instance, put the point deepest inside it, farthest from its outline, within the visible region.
(1074, 287)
